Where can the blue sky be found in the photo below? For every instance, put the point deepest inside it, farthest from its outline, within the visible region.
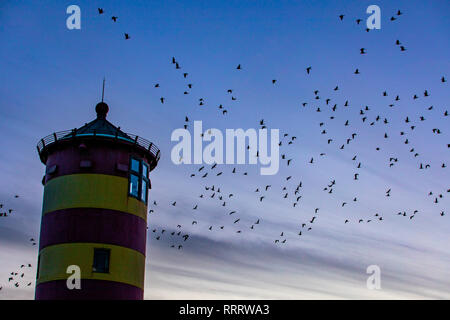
(51, 80)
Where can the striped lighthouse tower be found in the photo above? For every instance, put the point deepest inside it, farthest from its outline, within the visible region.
(94, 211)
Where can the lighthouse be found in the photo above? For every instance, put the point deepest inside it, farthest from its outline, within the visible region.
(94, 212)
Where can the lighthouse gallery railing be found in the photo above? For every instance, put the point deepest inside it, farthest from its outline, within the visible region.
(69, 134)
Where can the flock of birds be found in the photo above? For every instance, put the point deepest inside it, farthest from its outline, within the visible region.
(17, 277)
(114, 19)
(291, 188)
(329, 109)
(6, 211)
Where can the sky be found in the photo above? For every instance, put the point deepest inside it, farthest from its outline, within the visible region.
(51, 80)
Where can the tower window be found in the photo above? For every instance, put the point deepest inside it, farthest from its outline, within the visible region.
(101, 260)
(134, 185)
(135, 165)
(139, 181)
(144, 190)
(145, 170)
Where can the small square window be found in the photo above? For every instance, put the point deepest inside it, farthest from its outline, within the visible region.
(134, 165)
(101, 260)
(134, 185)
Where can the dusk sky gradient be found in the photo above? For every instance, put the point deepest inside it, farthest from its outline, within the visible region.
(51, 77)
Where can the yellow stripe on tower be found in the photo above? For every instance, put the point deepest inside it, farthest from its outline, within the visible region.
(126, 265)
(91, 191)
